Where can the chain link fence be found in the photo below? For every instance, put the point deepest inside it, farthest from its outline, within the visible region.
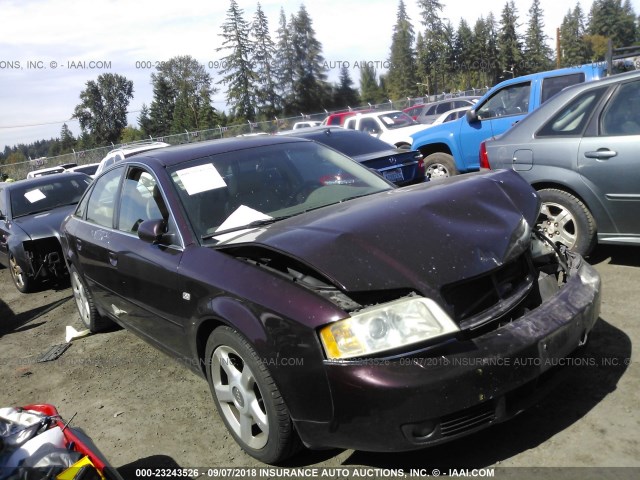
(19, 171)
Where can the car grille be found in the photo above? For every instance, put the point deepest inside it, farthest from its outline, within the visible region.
(506, 285)
(468, 419)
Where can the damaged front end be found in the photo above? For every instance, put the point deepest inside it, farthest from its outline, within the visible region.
(43, 259)
(477, 353)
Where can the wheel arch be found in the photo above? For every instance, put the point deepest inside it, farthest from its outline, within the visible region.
(439, 147)
(600, 215)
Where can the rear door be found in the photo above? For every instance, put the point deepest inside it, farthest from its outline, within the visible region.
(610, 161)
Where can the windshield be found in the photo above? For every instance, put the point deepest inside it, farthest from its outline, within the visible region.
(256, 185)
(32, 199)
(394, 120)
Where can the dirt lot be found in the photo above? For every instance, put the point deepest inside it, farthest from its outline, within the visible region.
(143, 409)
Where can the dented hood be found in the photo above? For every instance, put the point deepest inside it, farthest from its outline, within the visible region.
(418, 238)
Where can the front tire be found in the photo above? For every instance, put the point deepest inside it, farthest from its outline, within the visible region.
(84, 301)
(566, 219)
(21, 280)
(439, 165)
(248, 399)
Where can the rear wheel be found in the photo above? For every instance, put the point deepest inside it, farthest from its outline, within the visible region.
(21, 280)
(248, 399)
(84, 301)
(567, 220)
(439, 165)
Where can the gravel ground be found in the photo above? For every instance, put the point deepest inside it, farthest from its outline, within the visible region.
(143, 409)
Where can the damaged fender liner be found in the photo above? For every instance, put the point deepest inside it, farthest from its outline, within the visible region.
(421, 399)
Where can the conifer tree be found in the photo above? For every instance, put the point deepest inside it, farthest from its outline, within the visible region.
(310, 89)
(284, 63)
(401, 76)
(574, 49)
(268, 102)
(537, 53)
(509, 45)
(345, 95)
(237, 70)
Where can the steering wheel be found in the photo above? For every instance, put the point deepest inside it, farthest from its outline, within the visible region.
(500, 111)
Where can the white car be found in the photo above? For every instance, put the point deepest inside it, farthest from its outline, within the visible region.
(89, 168)
(126, 151)
(306, 124)
(394, 127)
(45, 171)
(454, 114)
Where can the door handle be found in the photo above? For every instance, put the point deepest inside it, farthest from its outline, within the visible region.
(601, 154)
(113, 259)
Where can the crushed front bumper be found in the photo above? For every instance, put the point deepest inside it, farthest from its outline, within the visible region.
(426, 398)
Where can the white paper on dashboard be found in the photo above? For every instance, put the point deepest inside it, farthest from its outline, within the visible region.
(242, 215)
(34, 196)
(201, 178)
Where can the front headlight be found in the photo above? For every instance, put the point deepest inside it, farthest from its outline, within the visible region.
(385, 327)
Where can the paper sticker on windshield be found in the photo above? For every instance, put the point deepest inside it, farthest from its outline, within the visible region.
(34, 196)
(201, 179)
(387, 120)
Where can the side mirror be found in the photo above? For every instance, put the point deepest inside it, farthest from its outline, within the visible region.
(472, 116)
(152, 231)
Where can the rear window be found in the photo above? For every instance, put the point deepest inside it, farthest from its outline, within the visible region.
(553, 85)
(351, 145)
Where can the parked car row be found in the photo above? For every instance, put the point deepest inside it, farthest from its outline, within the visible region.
(233, 254)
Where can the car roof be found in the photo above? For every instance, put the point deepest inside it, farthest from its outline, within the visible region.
(177, 154)
(44, 180)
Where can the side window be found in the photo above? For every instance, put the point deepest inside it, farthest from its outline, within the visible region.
(369, 125)
(431, 110)
(510, 100)
(350, 124)
(82, 206)
(140, 200)
(100, 206)
(622, 114)
(552, 85)
(572, 119)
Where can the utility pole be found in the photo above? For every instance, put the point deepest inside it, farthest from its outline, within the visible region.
(558, 50)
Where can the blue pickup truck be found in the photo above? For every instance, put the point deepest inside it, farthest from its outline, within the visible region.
(453, 147)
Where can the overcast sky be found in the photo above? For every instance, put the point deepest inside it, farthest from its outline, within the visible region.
(43, 43)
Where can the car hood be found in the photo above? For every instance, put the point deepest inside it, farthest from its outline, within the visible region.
(440, 131)
(419, 237)
(44, 224)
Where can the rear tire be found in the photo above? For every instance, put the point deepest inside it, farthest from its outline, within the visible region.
(439, 165)
(565, 219)
(89, 315)
(248, 399)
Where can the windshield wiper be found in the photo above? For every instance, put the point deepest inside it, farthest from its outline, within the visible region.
(254, 224)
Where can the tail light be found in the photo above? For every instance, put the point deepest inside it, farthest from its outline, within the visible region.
(484, 158)
(418, 156)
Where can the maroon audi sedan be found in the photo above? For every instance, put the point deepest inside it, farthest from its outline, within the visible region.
(325, 306)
